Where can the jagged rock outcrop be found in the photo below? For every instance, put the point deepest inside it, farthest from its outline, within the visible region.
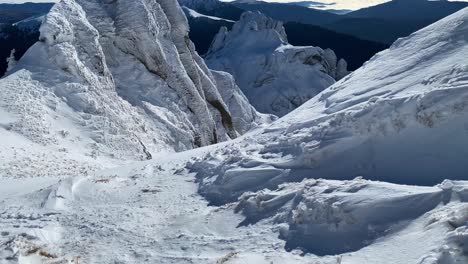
(121, 78)
(275, 76)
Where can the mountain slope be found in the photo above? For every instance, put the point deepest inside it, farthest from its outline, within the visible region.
(275, 76)
(400, 118)
(354, 50)
(11, 13)
(104, 86)
(382, 23)
(385, 121)
(214, 8)
(398, 18)
(410, 10)
(290, 13)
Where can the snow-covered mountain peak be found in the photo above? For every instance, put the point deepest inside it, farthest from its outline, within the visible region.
(276, 76)
(256, 21)
(125, 79)
(256, 31)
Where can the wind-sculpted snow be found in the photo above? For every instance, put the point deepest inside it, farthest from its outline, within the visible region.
(401, 118)
(275, 76)
(121, 79)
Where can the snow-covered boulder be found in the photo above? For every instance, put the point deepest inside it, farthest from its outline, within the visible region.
(120, 79)
(275, 76)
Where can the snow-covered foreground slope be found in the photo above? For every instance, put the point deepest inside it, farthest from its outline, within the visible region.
(275, 76)
(119, 80)
(150, 212)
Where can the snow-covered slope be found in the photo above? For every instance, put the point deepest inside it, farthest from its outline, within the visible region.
(194, 14)
(119, 80)
(30, 24)
(401, 118)
(275, 76)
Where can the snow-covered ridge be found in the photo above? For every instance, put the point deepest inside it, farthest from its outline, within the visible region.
(30, 24)
(195, 14)
(275, 76)
(120, 79)
(401, 118)
(394, 110)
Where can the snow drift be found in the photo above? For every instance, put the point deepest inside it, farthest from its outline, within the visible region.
(275, 76)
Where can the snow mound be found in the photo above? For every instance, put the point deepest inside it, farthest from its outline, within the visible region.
(275, 76)
(120, 80)
(343, 215)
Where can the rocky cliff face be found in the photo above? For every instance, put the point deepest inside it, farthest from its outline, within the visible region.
(126, 80)
(266, 67)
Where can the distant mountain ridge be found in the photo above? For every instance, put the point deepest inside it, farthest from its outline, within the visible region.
(11, 13)
(382, 23)
(354, 50)
(213, 8)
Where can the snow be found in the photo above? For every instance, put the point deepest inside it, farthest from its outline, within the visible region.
(30, 24)
(401, 118)
(355, 175)
(275, 76)
(120, 87)
(195, 14)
